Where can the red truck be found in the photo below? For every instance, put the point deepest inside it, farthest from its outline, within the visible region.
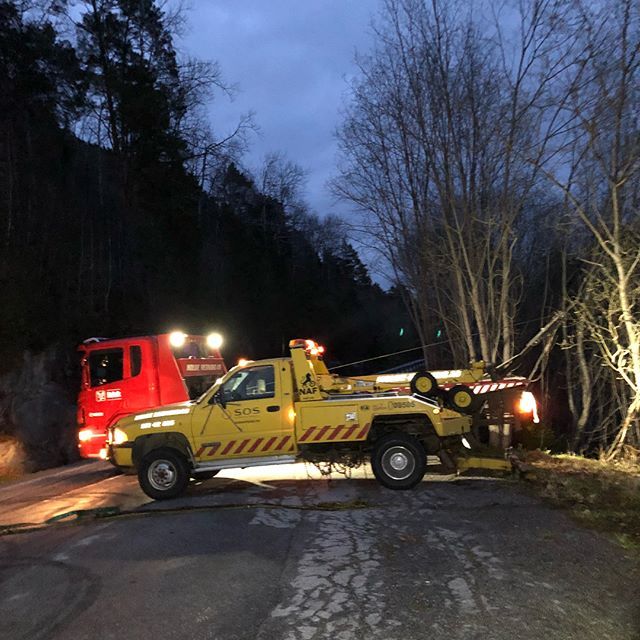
(125, 375)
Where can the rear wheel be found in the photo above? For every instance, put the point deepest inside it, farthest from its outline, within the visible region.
(399, 461)
(424, 384)
(163, 474)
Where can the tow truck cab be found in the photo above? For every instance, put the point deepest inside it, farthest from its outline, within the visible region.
(125, 375)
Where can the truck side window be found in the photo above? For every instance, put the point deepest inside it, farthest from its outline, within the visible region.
(105, 366)
(254, 383)
(135, 359)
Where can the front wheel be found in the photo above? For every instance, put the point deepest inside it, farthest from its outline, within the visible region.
(399, 461)
(163, 474)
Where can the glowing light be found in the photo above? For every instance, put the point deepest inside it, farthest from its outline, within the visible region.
(527, 404)
(118, 436)
(465, 443)
(84, 435)
(243, 362)
(214, 341)
(103, 454)
(292, 414)
(177, 338)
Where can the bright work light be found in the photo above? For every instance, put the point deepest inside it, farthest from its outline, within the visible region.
(177, 338)
(214, 340)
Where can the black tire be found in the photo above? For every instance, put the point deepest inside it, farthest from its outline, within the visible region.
(164, 474)
(205, 475)
(424, 384)
(399, 461)
(461, 398)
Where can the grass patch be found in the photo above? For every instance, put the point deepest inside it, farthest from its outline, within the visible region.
(602, 495)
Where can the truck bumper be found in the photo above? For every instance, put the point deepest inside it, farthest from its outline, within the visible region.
(121, 454)
(93, 445)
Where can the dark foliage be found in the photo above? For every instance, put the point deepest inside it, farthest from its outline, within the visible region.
(104, 231)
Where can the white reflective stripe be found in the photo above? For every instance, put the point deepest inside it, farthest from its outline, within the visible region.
(96, 414)
(161, 414)
(157, 423)
(454, 373)
(395, 377)
(170, 412)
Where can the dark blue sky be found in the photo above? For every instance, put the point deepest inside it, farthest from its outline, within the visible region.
(291, 60)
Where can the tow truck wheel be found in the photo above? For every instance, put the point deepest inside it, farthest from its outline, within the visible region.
(163, 474)
(461, 398)
(423, 384)
(399, 461)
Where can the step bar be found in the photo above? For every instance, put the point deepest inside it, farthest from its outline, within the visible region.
(243, 463)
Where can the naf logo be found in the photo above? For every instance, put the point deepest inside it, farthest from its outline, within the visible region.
(308, 385)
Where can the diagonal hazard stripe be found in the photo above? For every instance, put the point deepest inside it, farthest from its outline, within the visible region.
(242, 446)
(321, 433)
(213, 449)
(283, 442)
(306, 434)
(334, 434)
(255, 445)
(269, 444)
(228, 448)
(363, 432)
(349, 431)
(199, 452)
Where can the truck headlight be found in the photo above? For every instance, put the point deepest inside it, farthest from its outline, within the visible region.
(118, 436)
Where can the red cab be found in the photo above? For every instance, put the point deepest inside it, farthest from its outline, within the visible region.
(126, 375)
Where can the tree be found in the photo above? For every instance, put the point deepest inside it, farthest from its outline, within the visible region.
(599, 183)
(435, 148)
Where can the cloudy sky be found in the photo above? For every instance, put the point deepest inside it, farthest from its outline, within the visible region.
(291, 60)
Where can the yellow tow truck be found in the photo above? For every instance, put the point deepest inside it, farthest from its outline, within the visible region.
(282, 410)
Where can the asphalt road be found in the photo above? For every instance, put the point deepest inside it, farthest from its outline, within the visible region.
(271, 554)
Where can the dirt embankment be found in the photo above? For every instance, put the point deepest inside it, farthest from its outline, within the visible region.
(37, 413)
(604, 495)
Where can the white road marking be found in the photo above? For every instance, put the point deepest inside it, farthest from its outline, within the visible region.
(64, 556)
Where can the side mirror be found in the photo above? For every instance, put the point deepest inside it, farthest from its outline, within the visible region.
(218, 398)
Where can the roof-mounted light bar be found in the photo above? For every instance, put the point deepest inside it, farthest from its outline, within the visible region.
(310, 346)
